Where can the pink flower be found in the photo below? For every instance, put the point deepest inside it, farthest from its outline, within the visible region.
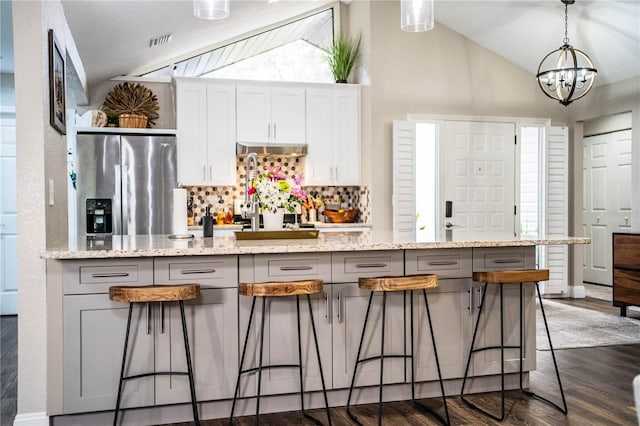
(252, 190)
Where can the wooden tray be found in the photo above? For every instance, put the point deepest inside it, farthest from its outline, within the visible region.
(277, 235)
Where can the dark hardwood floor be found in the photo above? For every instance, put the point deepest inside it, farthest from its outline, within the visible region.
(8, 368)
(597, 384)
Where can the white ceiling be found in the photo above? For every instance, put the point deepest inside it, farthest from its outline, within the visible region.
(113, 36)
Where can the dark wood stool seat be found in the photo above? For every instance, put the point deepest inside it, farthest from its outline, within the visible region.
(511, 277)
(274, 289)
(405, 284)
(501, 278)
(156, 294)
(279, 289)
(410, 282)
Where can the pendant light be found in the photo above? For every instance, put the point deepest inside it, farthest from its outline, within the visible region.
(566, 74)
(416, 15)
(211, 9)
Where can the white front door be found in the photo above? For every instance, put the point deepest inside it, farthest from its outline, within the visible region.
(477, 177)
(607, 200)
(8, 217)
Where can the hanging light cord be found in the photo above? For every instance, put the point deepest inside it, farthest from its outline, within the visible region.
(566, 24)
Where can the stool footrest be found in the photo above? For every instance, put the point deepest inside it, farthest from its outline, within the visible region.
(374, 358)
(264, 367)
(488, 348)
(157, 373)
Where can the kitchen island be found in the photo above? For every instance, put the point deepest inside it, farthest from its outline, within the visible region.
(86, 329)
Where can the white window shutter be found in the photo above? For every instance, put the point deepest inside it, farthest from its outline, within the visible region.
(557, 208)
(404, 178)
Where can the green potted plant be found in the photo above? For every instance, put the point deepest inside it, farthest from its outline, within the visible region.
(342, 56)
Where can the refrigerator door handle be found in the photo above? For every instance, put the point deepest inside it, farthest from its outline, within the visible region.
(117, 200)
(125, 200)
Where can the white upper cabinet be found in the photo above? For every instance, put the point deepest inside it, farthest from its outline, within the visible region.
(206, 132)
(270, 114)
(333, 136)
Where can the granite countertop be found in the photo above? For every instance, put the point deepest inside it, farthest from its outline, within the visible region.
(160, 245)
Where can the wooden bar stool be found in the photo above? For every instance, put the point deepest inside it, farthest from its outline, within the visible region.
(280, 289)
(384, 285)
(153, 294)
(502, 278)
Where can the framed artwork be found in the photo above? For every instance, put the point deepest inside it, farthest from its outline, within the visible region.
(57, 110)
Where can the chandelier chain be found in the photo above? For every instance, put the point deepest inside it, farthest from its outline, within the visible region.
(566, 20)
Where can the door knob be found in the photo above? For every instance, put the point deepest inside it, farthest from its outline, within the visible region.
(449, 225)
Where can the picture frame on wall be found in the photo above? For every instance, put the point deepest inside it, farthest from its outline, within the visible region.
(57, 109)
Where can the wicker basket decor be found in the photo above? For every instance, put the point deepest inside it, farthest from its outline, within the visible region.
(341, 216)
(128, 100)
(135, 121)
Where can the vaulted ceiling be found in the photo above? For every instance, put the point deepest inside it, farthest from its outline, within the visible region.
(113, 36)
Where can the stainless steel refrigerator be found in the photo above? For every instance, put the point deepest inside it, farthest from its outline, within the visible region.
(124, 184)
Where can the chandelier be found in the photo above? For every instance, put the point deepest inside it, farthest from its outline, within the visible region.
(211, 9)
(566, 74)
(416, 15)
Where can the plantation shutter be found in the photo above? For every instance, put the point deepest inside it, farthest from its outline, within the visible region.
(404, 178)
(557, 208)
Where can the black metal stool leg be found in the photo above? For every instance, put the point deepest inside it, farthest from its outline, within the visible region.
(501, 353)
(244, 351)
(355, 368)
(122, 368)
(473, 341)
(324, 388)
(187, 352)
(472, 351)
(562, 409)
(264, 299)
(384, 312)
(446, 419)
(300, 354)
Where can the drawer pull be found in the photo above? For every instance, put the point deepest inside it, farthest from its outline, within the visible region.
(442, 262)
(507, 261)
(371, 265)
(296, 268)
(110, 275)
(197, 271)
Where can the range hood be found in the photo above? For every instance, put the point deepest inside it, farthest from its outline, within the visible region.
(243, 148)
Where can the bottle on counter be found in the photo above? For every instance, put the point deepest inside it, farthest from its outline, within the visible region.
(207, 223)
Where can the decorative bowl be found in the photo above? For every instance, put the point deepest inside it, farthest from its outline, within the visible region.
(341, 216)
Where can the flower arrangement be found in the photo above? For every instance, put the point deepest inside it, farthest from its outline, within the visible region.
(272, 190)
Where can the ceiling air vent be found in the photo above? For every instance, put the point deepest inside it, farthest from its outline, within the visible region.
(158, 41)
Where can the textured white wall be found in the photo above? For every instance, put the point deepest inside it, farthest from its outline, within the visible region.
(41, 155)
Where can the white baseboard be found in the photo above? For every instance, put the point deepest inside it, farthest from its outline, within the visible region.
(577, 291)
(31, 419)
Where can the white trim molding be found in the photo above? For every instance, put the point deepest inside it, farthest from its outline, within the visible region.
(31, 419)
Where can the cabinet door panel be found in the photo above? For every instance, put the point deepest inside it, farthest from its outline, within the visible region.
(93, 343)
(253, 114)
(346, 154)
(280, 343)
(288, 115)
(191, 131)
(451, 327)
(349, 309)
(212, 324)
(319, 161)
(221, 135)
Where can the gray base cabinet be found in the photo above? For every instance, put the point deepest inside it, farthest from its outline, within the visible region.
(350, 306)
(212, 324)
(94, 327)
(93, 342)
(94, 331)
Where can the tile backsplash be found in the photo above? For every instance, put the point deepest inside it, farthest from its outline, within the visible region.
(225, 197)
